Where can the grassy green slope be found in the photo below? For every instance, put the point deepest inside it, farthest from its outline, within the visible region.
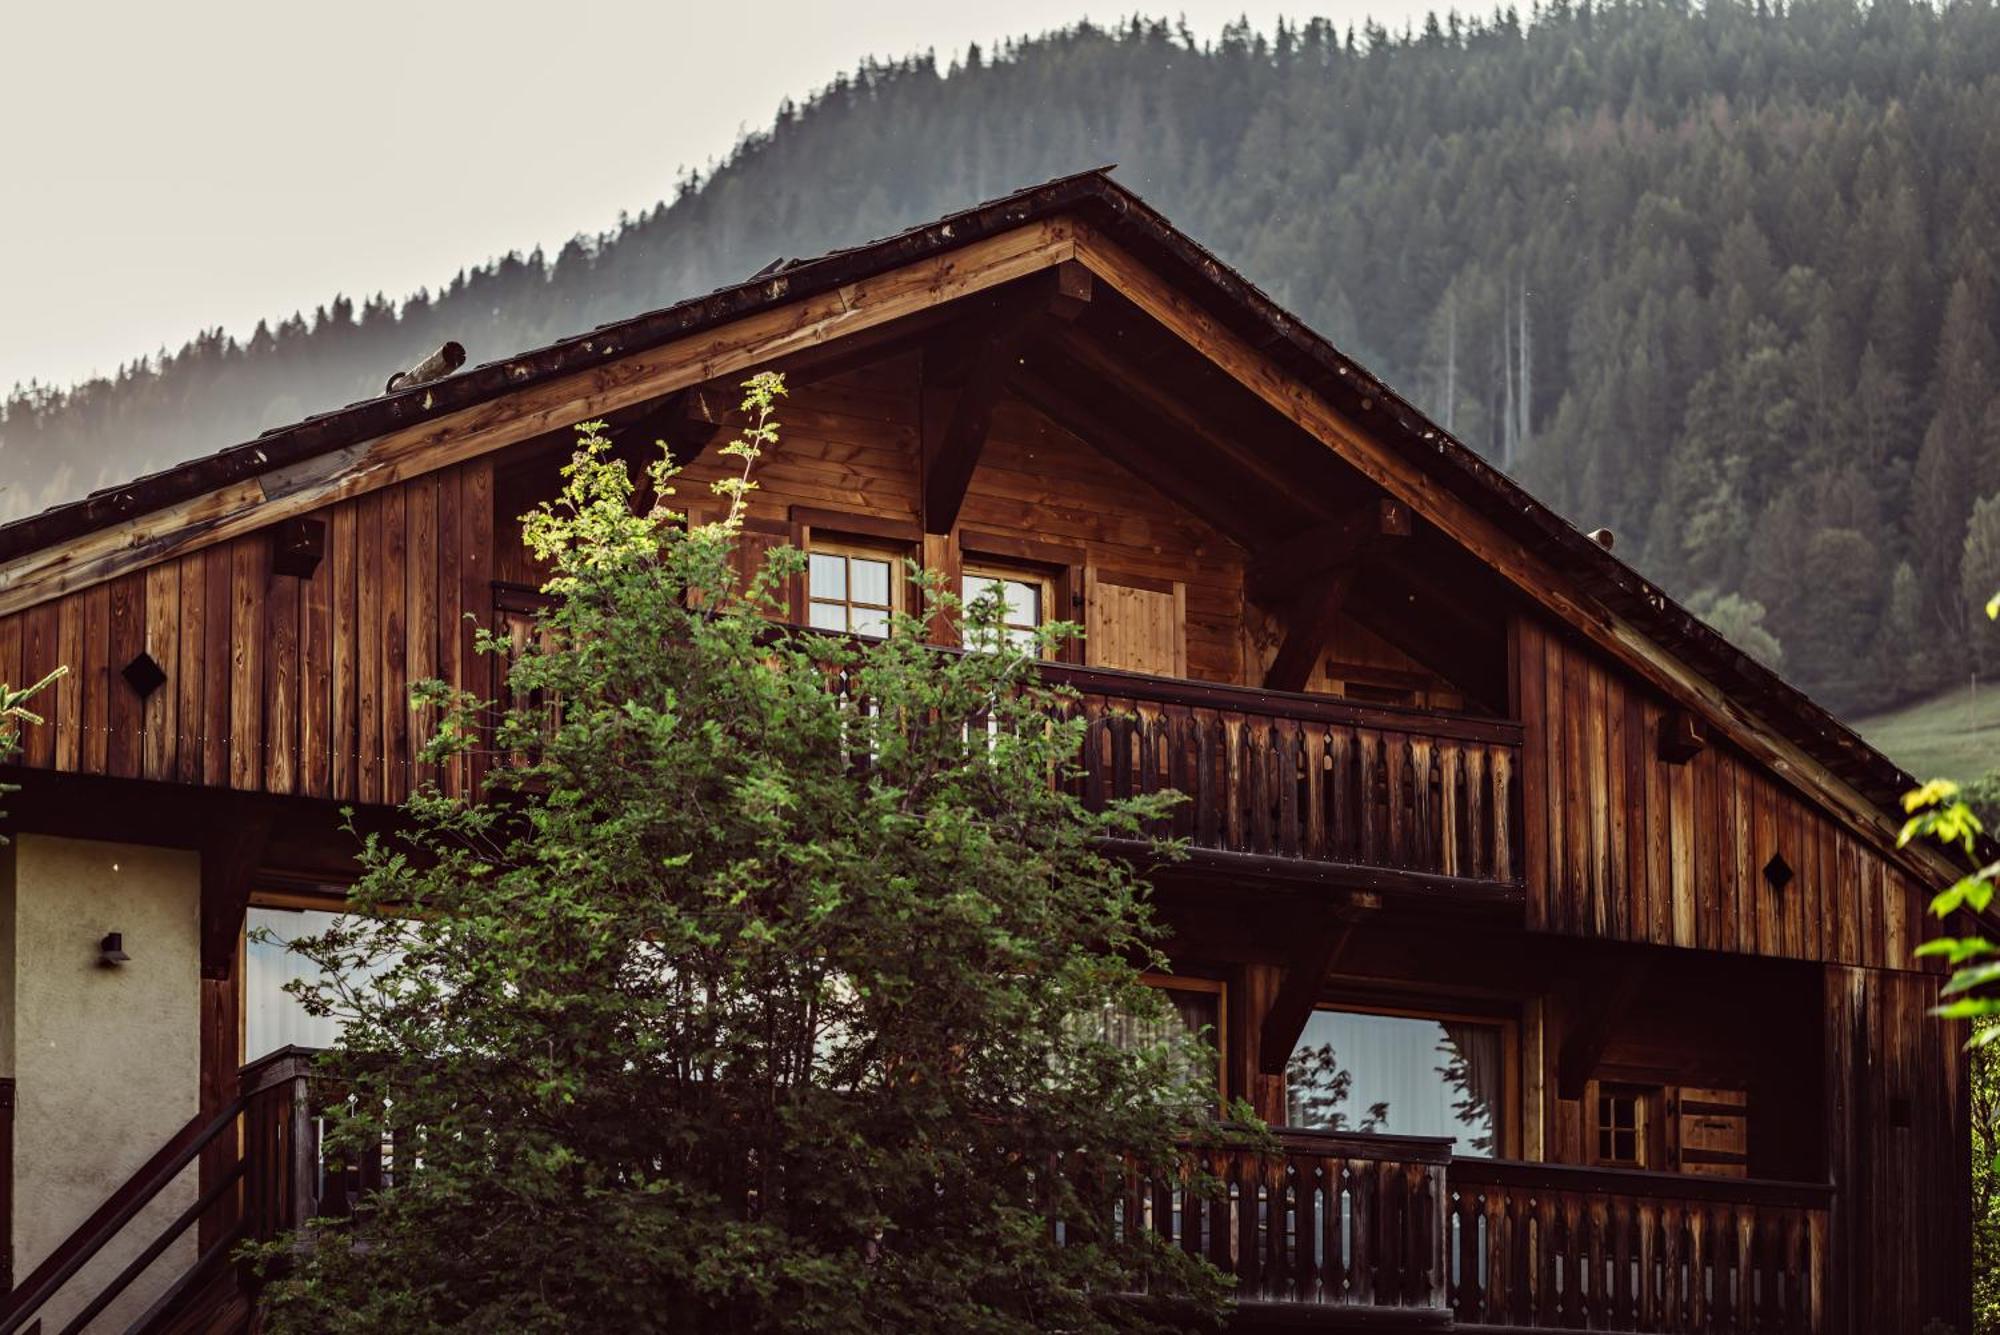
(1952, 735)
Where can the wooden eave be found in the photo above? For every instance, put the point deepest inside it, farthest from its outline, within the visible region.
(858, 294)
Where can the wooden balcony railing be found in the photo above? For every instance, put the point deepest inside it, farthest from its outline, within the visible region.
(1274, 775)
(1282, 782)
(1537, 1245)
(1321, 1219)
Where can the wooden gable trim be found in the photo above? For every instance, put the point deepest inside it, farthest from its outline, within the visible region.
(1396, 474)
(741, 345)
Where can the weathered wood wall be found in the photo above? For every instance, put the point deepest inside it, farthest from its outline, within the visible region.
(1622, 844)
(274, 683)
(1900, 1141)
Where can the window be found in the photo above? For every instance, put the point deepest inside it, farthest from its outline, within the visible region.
(1024, 595)
(1198, 1012)
(1624, 1126)
(1400, 1074)
(272, 1017)
(851, 589)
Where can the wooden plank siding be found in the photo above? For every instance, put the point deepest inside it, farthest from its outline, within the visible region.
(269, 677)
(1896, 1108)
(1634, 848)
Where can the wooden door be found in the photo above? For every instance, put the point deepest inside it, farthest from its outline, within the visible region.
(1135, 623)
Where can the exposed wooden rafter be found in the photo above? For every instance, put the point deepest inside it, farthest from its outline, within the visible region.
(1044, 388)
(976, 378)
(1278, 571)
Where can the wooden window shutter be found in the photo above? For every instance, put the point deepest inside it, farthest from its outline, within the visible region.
(1135, 623)
(1713, 1131)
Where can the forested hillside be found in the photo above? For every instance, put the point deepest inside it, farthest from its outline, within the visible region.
(1720, 278)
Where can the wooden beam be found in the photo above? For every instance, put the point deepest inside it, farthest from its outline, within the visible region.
(1333, 555)
(1603, 1004)
(231, 849)
(1308, 629)
(993, 343)
(1277, 572)
(685, 422)
(1305, 974)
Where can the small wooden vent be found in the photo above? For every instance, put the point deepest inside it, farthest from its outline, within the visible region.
(299, 546)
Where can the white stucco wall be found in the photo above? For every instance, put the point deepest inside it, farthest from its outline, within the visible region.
(106, 1060)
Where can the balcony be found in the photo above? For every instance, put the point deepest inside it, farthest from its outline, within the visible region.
(1337, 1231)
(1286, 785)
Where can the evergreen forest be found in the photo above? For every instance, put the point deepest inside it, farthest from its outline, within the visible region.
(1721, 278)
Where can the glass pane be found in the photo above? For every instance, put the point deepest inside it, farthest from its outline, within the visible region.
(871, 580)
(1195, 1013)
(826, 576)
(273, 1017)
(1023, 603)
(827, 616)
(869, 621)
(1402, 1075)
(975, 586)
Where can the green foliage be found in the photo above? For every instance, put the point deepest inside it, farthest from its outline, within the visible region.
(15, 715)
(740, 1004)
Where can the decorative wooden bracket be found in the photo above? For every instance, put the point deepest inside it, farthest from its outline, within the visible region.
(1603, 1006)
(994, 347)
(1333, 554)
(1305, 974)
(1683, 736)
(230, 854)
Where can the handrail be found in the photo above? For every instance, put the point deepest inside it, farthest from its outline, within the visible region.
(118, 1210)
(1640, 1182)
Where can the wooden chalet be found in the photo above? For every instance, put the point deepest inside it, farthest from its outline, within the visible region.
(1605, 924)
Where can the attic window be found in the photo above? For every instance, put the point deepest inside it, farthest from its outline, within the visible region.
(1778, 872)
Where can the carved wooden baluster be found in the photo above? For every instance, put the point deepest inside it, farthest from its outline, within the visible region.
(1477, 860)
(1502, 817)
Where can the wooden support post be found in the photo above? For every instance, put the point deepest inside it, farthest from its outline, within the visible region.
(1308, 630)
(1304, 975)
(993, 339)
(1602, 1005)
(230, 852)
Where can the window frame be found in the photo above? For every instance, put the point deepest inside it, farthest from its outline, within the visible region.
(1505, 1017)
(1013, 573)
(1216, 987)
(896, 556)
(1649, 1130)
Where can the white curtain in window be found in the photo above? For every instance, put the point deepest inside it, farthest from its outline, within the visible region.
(272, 1017)
(1398, 1074)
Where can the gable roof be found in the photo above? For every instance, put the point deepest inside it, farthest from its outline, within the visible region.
(1220, 293)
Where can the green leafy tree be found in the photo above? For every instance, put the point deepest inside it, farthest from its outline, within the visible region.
(15, 714)
(738, 1002)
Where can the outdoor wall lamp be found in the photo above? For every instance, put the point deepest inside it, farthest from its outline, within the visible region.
(111, 950)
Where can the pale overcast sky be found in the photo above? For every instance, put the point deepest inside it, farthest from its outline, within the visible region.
(169, 167)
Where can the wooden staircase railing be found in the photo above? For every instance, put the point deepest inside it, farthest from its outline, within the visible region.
(271, 1113)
